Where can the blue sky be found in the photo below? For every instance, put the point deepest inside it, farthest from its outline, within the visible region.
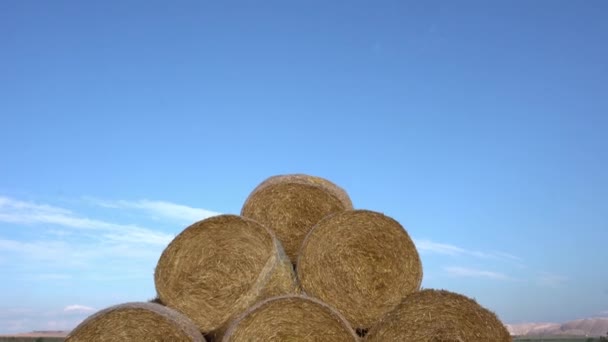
(481, 127)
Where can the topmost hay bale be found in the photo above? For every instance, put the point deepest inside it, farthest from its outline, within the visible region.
(292, 204)
(439, 315)
(290, 318)
(312, 180)
(218, 267)
(361, 262)
(136, 322)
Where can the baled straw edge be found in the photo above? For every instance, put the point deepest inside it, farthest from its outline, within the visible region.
(272, 263)
(261, 188)
(182, 321)
(302, 178)
(346, 212)
(333, 312)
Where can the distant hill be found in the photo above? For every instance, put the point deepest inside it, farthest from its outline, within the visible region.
(579, 327)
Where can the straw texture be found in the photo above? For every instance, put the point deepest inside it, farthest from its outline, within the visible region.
(290, 318)
(291, 205)
(336, 190)
(439, 315)
(231, 278)
(136, 322)
(361, 262)
(218, 267)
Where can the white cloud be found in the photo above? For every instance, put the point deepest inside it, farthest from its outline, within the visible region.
(428, 246)
(14, 325)
(56, 260)
(61, 325)
(8, 312)
(174, 211)
(90, 245)
(439, 248)
(58, 246)
(78, 308)
(45, 250)
(8, 202)
(507, 256)
(22, 320)
(474, 273)
(21, 212)
(551, 280)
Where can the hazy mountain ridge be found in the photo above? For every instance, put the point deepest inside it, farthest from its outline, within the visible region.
(580, 327)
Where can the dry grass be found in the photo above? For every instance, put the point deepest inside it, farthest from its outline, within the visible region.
(361, 262)
(231, 278)
(290, 318)
(136, 322)
(336, 190)
(438, 315)
(218, 267)
(291, 205)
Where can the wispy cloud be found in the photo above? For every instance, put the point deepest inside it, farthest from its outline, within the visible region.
(506, 256)
(22, 212)
(60, 247)
(20, 320)
(14, 325)
(161, 209)
(475, 273)
(78, 308)
(87, 249)
(52, 260)
(551, 280)
(43, 250)
(428, 246)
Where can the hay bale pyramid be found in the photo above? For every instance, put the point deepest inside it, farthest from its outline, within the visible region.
(299, 263)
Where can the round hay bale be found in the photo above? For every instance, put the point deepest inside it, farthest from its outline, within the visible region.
(337, 191)
(361, 262)
(292, 204)
(136, 322)
(290, 318)
(439, 315)
(218, 267)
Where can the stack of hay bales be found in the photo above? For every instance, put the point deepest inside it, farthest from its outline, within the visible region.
(298, 264)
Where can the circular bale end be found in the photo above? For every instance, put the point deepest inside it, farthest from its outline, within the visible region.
(439, 315)
(361, 262)
(136, 322)
(218, 267)
(292, 205)
(290, 318)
